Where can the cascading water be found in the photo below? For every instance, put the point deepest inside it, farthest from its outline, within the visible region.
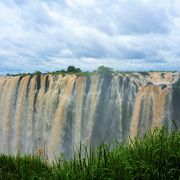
(59, 112)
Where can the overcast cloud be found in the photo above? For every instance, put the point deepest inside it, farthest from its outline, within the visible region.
(123, 34)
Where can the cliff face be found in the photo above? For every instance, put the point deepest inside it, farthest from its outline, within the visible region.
(60, 112)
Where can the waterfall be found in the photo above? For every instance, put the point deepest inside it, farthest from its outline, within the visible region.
(60, 112)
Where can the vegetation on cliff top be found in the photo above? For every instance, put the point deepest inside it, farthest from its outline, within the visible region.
(156, 156)
(102, 70)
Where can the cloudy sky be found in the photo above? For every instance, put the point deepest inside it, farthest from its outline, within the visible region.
(48, 35)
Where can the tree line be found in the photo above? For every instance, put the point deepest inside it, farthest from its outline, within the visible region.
(102, 70)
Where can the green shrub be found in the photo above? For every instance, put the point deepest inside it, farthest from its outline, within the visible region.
(102, 70)
(72, 69)
(37, 73)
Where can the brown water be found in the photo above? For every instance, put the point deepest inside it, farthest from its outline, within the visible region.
(56, 112)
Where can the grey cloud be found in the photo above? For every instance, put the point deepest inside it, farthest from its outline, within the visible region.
(126, 17)
(124, 34)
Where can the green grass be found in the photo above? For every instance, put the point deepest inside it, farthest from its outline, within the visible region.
(27, 167)
(155, 156)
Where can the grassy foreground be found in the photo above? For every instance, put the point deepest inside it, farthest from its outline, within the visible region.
(156, 156)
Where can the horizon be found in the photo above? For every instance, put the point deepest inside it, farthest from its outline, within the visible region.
(59, 71)
(124, 35)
